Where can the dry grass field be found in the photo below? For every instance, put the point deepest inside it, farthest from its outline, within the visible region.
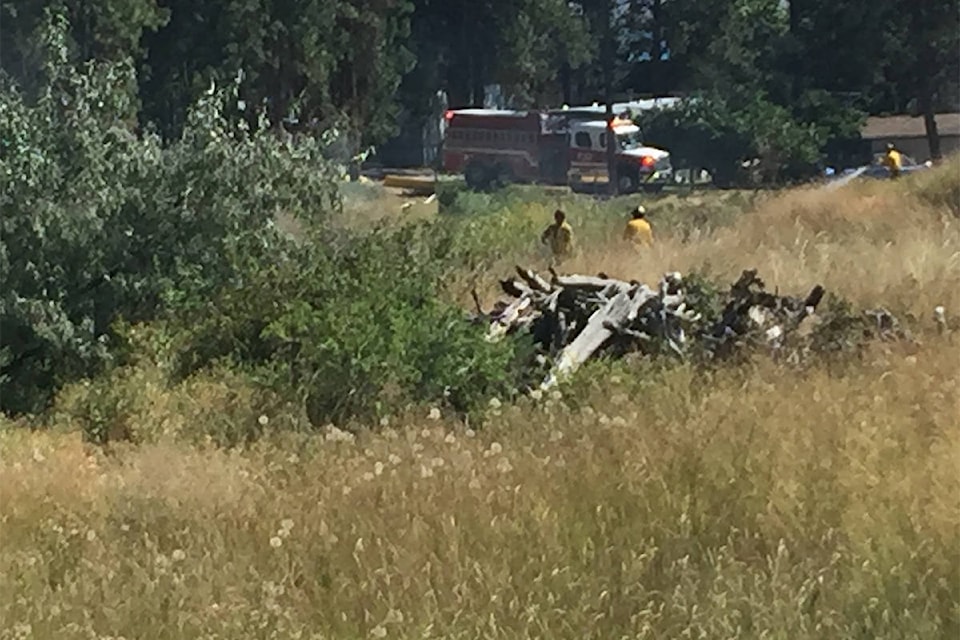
(750, 502)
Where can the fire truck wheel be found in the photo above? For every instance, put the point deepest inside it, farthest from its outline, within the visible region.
(476, 176)
(626, 183)
(504, 175)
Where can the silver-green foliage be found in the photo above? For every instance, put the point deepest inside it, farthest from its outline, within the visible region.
(101, 220)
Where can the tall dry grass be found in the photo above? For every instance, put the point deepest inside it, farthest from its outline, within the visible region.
(756, 502)
(875, 243)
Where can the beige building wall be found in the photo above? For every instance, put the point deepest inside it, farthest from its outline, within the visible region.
(916, 147)
(908, 133)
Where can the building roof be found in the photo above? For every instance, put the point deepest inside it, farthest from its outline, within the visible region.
(601, 125)
(634, 106)
(490, 112)
(948, 124)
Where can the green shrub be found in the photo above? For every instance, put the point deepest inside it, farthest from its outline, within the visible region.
(746, 139)
(355, 326)
(100, 221)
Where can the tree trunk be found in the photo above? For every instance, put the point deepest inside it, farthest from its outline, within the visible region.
(476, 79)
(565, 83)
(929, 119)
(930, 124)
(795, 17)
(656, 11)
(607, 60)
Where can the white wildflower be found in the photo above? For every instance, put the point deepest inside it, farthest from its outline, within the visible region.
(276, 542)
(338, 435)
(434, 414)
(178, 555)
(450, 439)
(393, 617)
(495, 403)
(263, 420)
(378, 468)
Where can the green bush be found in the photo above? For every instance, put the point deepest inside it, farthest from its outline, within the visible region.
(354, 327)
(100, 221)
(747, 139)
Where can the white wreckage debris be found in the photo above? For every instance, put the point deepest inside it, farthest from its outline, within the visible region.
(573, 318)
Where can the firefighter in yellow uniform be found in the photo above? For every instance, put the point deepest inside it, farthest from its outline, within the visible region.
(638, 229)
(893, 161)
(559, 237)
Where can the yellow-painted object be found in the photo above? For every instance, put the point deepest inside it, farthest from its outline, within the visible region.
(893, 162)
(639, 231)
(420, 184)
(559, 237)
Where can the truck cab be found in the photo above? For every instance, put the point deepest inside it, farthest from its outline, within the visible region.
(639, 167)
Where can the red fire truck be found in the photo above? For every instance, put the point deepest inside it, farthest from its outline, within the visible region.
(556, 147)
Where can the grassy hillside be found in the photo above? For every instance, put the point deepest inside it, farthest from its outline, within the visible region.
(641, 502)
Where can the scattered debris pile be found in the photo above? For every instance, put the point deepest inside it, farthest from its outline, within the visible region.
(573, 318)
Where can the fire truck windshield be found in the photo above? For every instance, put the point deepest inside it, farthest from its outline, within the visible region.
(629, 141)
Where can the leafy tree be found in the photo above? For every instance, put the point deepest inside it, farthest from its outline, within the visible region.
(99, 223)
(355, 326)
(182, 59)
(462, 46)
(837, 46)
(309, 66)
(105, 30)
(923, 56)
(760, 105)
(456, 42)
(537, 39)
(369, 69)
(681, 31)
